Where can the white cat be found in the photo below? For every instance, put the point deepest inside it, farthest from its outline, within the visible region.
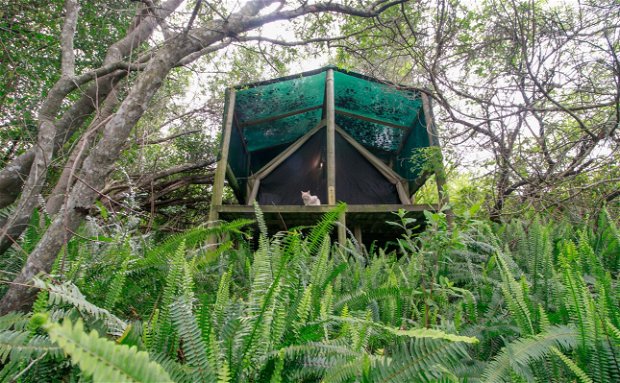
(310, 199)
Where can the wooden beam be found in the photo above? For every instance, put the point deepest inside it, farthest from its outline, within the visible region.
(252, 197)
(370, 119)
(232, 180)
(285, 209)
(238, 128)
(402, 194)
(271, 165)
(387, 172)
(330, 118)
(279, 116)
(220, 172)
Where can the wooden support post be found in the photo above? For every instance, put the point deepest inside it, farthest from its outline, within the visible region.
(220, 172)
(330, 119)
(440, 172)
(254, 193)
(342, 228)
(357, 233)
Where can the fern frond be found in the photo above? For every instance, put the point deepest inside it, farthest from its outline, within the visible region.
(276, 376)
(324, 227)
(176, 285)
(222, 297)
(116, 286)
(260, 219)
(411, 333)
(14, 320)
(19, 345)
(179, 373)
(193, 346)
(344, 371)
(103, 359)
(420, 360)
(518, 355)
(68, 293)
(581, 375)
(319, 267)
(515, 297)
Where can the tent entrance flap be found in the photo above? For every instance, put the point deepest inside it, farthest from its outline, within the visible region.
(305, 169)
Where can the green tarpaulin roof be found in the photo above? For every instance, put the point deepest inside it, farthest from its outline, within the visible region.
(269, 115)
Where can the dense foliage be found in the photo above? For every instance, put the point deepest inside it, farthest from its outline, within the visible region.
(109, 121)
(525, 301)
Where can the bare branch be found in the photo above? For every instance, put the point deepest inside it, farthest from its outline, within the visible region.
(66, 38)
(168, 138)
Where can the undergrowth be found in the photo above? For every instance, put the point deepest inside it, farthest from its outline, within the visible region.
(522, 302)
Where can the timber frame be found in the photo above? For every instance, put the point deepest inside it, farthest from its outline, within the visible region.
(300, 213)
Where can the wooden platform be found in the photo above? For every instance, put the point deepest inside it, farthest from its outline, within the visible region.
(368, 222)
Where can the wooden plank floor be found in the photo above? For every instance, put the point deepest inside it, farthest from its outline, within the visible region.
(370, 219)
(322, 208)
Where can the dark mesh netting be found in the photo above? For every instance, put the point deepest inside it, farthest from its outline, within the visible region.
(387, 120)
(301, 171)
(358, 181)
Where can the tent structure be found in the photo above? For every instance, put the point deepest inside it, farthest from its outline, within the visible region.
(341, 135)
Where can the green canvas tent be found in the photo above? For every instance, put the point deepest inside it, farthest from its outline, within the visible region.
(341, 135)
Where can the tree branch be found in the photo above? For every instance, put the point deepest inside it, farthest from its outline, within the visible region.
(67, 61)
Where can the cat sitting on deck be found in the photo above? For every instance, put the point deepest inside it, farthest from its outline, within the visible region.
(310, 199)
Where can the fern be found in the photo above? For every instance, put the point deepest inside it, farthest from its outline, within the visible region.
(608, 242)
(518, 355)
(20, 345)
(156, 257)
(420, 360)
(411, 333)
(116, 286)
(176, 284)
(14, 320)
(222, 298)
(323, 227)
(68, 293)
(581, 375)
(515, 297)
(193, 347)
(101, 358)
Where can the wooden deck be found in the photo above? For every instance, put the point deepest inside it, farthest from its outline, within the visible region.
(368, 222)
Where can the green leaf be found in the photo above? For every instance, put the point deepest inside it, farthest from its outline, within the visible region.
(103, 359)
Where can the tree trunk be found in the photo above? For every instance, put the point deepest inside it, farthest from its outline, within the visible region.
(100, 161)
(13, 176)
(66, 180)
(91, 178)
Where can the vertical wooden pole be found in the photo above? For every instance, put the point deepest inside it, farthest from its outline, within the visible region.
(330, 119)
(440, 172)
(357, 233)
(220, 172)
(342, 228)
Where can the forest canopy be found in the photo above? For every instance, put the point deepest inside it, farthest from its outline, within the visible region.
(110, 121)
